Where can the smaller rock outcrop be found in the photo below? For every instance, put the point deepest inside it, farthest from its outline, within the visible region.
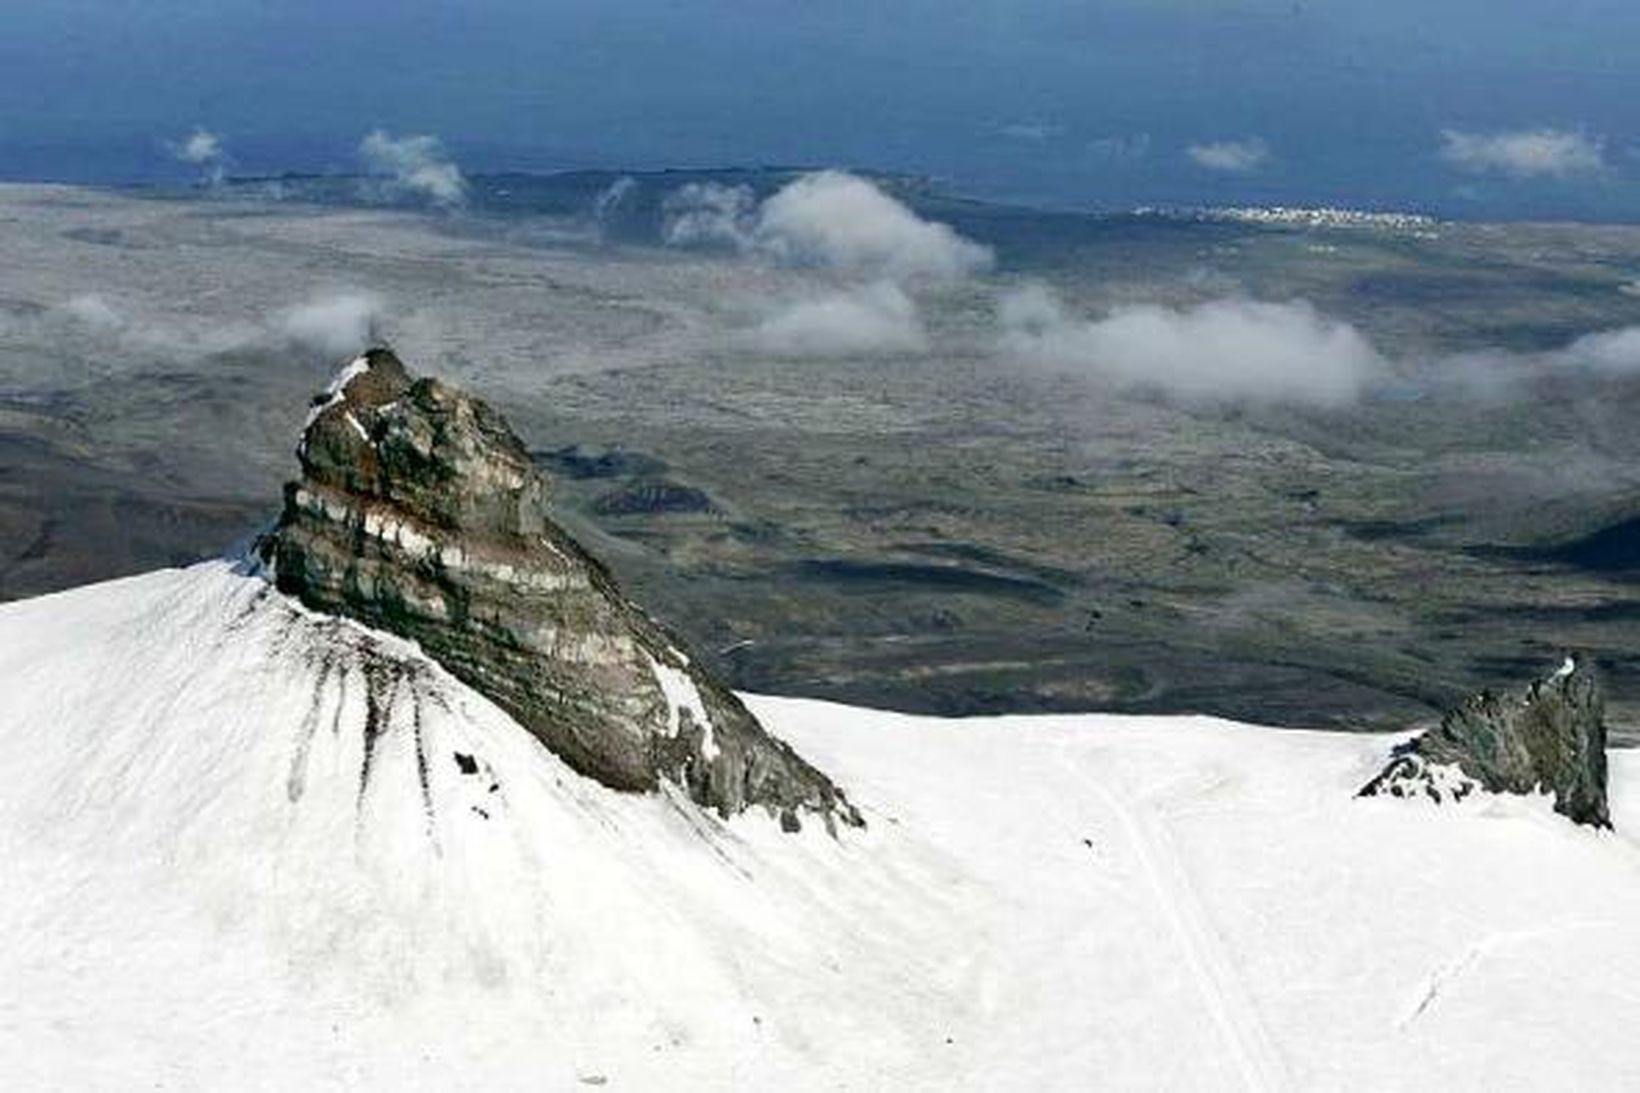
(1549, 737)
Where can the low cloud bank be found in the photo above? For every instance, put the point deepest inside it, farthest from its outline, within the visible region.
(1615, 352)
(94, 313)
(1226, 350)
(1237, 350)
(1507, 375)
(830, 219)
(1525, 153)
(416, 165)
(1231, 156)
(859, 321)
(334, 324)
(114, 325)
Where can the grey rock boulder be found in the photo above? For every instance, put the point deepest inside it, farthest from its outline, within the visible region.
(1551, 736)
(420, 513)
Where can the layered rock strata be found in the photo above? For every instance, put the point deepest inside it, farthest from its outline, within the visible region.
(420, 513)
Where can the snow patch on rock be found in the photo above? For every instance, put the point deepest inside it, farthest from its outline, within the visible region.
(681, 695)
(336, 390)
(1411, 775)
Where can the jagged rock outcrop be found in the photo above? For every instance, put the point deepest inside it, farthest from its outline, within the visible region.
(420, 513)
(1552, 736)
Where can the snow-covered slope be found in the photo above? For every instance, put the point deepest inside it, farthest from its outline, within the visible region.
(247, 846)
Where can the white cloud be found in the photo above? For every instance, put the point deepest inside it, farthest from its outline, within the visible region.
(336, 324)
(828, 218)
(1526, 153)
(858, 321)
(1226, 350)
(1234, 156)
(417, 164)
(839, 220)
(202, 149)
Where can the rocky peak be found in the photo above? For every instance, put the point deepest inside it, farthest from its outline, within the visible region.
(1551, 736)
(419, 512)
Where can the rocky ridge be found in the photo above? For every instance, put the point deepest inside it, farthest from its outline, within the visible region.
(420, 513)
(1549, 737)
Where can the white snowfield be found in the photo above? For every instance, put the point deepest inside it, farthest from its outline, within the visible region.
(202, 890)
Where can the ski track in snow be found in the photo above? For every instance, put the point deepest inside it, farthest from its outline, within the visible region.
(1212, 969)
(1439, 981)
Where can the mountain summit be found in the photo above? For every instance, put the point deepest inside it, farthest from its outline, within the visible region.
(419, 512)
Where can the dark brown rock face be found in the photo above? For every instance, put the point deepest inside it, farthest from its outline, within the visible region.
(420, 513)
(1551, 736)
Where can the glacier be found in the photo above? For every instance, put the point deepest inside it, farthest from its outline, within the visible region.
(252, 846)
